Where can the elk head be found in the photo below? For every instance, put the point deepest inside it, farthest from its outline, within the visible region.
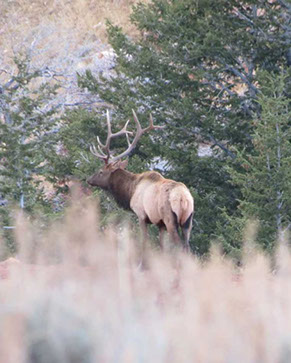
(101, 178)
(103, 152)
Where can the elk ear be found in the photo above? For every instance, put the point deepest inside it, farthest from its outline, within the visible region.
(123, 164)
(118, 165)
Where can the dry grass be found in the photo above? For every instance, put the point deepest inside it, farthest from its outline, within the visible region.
(77, 295)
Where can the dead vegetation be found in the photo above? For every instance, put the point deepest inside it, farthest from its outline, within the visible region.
(78, 21)
(60, 38)
(78, 295)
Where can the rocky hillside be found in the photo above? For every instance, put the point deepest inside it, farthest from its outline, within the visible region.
(61, 38)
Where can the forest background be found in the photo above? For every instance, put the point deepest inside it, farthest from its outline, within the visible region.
(215, 73)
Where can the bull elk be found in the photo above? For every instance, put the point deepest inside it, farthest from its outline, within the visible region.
(153, 198)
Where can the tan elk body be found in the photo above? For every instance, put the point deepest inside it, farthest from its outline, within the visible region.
(153, 198)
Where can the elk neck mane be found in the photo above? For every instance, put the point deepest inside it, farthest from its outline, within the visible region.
(122, 184)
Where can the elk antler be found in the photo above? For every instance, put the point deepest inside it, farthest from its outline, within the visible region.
(139, 132)
(103, 152)
(131, 145)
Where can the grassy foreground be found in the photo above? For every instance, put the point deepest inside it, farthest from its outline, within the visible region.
(78, 295)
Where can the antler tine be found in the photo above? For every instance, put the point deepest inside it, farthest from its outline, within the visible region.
(123, 130)
(101, 155)
(109, 134)
(104, 152)
(100, 150)
(139, 132)
(138, 126)
(94, 151)
(127, 139)
(155, 127)
(99, 142)
(151, 124)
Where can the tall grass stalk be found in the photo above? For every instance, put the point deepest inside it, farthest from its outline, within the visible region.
(77, 294)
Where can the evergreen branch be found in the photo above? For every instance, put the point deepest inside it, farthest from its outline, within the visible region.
(243, 16)
(243, 77)
(221, 146)
(223, 88)
(214, 141)
(284, 4)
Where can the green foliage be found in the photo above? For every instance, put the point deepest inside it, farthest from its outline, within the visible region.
(199, 67)
(185, 69)
(26, 137)
(263, 175)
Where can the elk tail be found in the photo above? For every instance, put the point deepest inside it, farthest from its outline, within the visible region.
(181, 204)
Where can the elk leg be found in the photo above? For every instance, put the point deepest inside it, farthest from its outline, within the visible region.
(162, 230)
(186, 230)
(144, 232)
(174, 235)
(171, 224)
(173, 232)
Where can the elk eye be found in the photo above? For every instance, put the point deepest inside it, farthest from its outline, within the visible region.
(101, 172)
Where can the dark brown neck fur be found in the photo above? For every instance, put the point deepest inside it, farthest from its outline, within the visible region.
(122, 184)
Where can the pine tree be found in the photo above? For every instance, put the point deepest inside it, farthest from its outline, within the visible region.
(264, 174)
(194, 67)
(26, 137)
